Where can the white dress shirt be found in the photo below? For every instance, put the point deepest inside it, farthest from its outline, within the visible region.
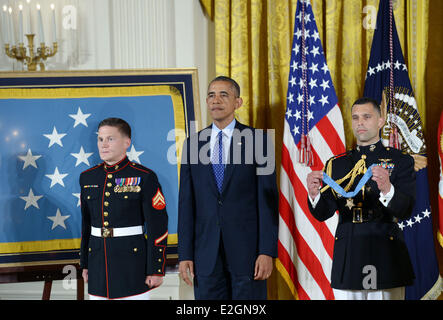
(227, 135)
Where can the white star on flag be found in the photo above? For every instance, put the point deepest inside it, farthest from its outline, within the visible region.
(323, 100)
(82, 157)
(55, 137)
(77, 195)
(31, 199)
(29, 159)
(325, 85)
(80, 117)
(134, 154)
(426, 213)
(58, 220)
(418, 218)
(56, 177)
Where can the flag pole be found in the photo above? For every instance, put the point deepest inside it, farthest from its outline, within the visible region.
(393, 136)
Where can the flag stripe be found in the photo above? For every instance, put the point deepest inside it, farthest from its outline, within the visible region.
(336, 118)
(302, 277)
(306, 231)
(288, 264)
(301, 197)
(305, 252)
(329, 134)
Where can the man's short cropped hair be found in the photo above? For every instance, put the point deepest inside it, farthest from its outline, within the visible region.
(120, 124)
(230, 80)
(366, 100)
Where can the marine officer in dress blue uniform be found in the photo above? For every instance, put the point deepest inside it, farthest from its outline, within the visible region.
(124, 221)
(371, 260)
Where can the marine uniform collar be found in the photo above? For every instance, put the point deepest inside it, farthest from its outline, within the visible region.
(370, 148)
(119, 165)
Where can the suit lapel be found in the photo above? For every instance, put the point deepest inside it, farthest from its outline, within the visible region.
(230, 167)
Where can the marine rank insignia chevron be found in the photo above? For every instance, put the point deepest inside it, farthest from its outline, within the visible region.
(158, 201)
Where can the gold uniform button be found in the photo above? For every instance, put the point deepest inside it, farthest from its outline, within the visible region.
(116, 167)
(89, 197)
(336, 238)
(159, 270)
(106, 203)
(90, 249)
(109, 184)
(159, 260)
(109, 176)
(391, 238)
(105, 213)
(107, 193)
(160, 250)
(106, 223)
(126, 197)
(135, 249)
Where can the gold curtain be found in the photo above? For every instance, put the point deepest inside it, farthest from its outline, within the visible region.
(253, 40)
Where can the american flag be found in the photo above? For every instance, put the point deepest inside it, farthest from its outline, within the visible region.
(387, 81)
(305, 245)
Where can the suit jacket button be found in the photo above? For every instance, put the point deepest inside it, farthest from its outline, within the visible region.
(220, 202)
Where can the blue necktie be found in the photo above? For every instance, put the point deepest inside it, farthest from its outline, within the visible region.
(217, 161)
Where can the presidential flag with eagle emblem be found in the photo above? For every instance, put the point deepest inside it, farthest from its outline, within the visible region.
(387, 81)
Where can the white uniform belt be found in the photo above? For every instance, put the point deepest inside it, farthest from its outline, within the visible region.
(116, 232)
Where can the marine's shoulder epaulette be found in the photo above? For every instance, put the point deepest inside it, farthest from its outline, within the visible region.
(140, 167)
(396, 152)
(341, 155)
(93, 168)
(328, 165)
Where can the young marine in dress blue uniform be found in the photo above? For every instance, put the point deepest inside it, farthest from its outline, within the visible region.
(124, 221)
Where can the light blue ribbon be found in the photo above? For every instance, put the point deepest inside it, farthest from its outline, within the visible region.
(334, 185)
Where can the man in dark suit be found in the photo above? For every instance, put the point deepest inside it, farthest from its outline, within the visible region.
(120, 201)
(371, 260)
(228, 204)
